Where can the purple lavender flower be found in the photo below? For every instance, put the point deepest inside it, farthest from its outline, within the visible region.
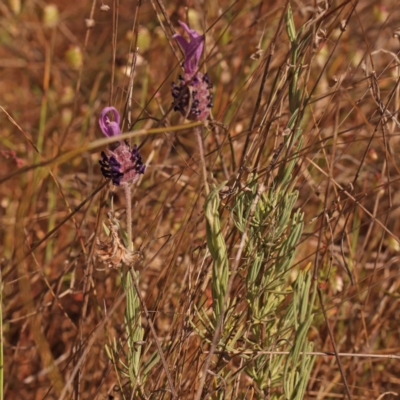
(119, 163)
(192, 95)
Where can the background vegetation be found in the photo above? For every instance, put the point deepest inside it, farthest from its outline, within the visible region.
(249, 289)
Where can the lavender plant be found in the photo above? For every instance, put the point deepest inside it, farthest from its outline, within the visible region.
(123, 165)
(273, 237)
(278, 313)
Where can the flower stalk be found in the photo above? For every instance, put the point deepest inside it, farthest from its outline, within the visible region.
(128, 200)
(123, 166)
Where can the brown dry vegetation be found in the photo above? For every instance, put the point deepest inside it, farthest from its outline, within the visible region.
(60, 303)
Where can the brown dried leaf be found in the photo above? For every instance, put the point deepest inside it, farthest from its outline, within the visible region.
(112, 251)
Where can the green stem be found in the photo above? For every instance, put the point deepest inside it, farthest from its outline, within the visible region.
(128, 198)
(197, 131)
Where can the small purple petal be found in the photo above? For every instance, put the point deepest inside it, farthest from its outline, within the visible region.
(109, 128)
(192, 49)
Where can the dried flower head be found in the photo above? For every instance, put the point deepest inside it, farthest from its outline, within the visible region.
(192, 95)
(122, 164)
(112, 252)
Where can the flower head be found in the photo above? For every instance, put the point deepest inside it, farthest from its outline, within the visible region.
(119, 162)
(192, 95)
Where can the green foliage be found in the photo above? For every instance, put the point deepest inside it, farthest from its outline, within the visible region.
(128, 362)
(217, 247)
(134, 330)
(298, 364)
(273, 236)
(277, 315)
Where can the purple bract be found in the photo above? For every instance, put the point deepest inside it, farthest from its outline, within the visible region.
(110, 128)
(192, 49)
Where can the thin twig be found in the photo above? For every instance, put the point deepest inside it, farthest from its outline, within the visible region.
(56, 228)
(130, 88)
(307, 353)
(334, 346)
(153, 331)
(89, 345)
(79, 80)
(114, 46)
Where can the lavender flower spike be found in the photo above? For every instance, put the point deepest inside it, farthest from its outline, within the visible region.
(119, 162)
(110, 128)
(192, 49)
(192, 97)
